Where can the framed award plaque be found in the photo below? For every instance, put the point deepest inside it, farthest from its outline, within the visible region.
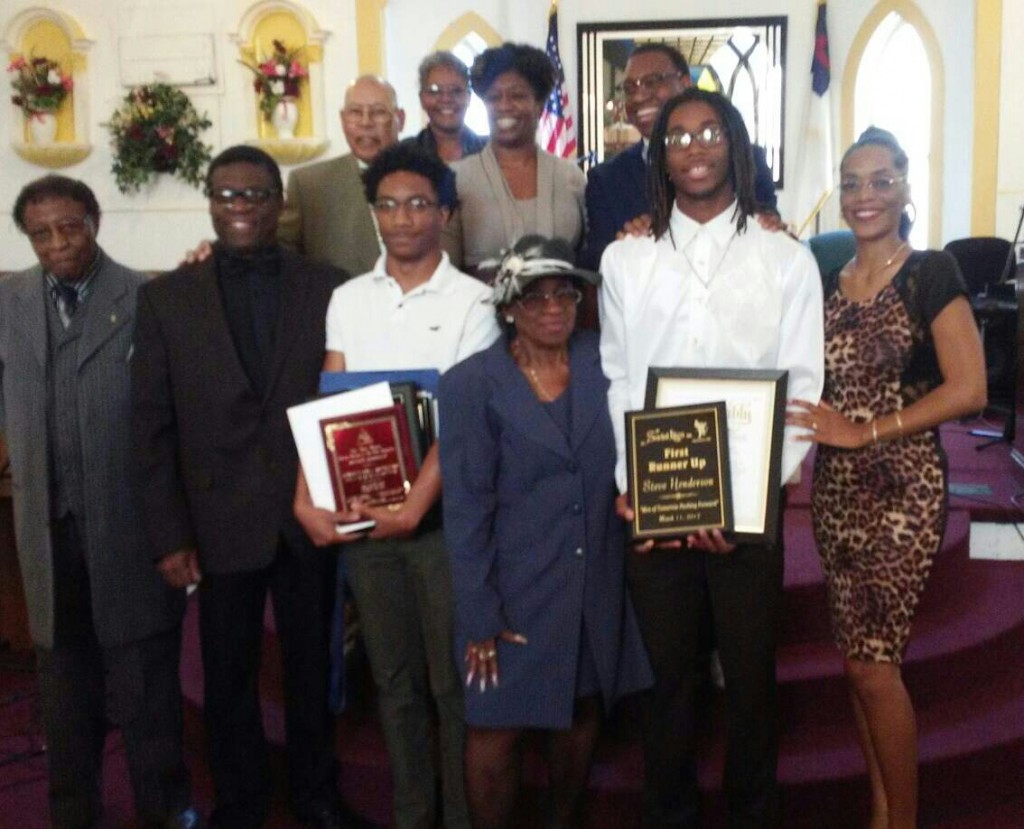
(678, 468)
(755, 404)
(370, 456)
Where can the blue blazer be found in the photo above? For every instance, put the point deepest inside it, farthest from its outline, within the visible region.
(617, 192)
(535, 544)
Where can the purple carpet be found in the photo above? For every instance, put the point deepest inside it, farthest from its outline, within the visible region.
(963, 668)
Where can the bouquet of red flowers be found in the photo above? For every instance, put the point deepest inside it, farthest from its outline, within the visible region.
(39, 85)
(277, 77)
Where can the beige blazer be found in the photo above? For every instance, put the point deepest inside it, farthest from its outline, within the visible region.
(326, 216)
(490, 218)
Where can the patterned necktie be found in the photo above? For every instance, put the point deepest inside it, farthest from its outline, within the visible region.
(69, 297)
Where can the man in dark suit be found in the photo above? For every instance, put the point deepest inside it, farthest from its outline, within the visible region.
(616, 189)
(107, 629)
(223, 348)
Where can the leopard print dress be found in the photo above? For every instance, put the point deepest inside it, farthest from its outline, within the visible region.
(879, 511)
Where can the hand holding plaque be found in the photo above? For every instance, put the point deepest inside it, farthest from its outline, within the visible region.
(678, 468)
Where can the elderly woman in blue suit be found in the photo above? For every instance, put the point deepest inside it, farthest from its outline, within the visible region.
(543, 621)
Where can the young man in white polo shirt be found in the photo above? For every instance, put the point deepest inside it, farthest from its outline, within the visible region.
(710, 288)
(413, 311)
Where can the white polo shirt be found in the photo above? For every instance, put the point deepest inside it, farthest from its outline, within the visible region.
(706, 296)
(435, 325)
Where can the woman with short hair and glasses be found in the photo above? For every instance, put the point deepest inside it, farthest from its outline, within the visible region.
(445, 95)
(544, 630)
(902, 356)
(513, 187)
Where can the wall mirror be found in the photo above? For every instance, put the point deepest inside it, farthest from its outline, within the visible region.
(742, 57)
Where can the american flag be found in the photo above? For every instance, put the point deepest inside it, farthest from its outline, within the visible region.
(815, 175)
(556, 132)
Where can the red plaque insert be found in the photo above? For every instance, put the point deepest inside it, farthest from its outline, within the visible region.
(370, 456)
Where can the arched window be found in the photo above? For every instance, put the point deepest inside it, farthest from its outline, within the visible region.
(466, 38)
(466, 50)
(896, 85)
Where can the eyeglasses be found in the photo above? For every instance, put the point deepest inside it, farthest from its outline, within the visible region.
(250, 195)
(536, 301)
(379, 115)
(436, 90)
(416, 205)
(648, 83)
(75, 226)
(707, 137)
(879, 184)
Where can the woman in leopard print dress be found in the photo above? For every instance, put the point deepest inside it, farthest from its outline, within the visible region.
(902, 355)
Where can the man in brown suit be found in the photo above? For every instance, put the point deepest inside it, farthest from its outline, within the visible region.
(223, 348)
(326, 215)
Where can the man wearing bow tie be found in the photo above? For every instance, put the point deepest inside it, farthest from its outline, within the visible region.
(223, 348)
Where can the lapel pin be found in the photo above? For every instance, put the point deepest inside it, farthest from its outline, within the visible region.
(113, 317)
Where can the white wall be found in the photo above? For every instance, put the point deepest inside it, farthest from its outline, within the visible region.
(150, 230)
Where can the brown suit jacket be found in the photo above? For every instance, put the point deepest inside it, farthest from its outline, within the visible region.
(216, 461)
(327, 218)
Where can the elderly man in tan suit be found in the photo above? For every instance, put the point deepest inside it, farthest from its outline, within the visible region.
(326, 215)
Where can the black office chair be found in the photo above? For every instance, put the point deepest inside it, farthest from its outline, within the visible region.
(981, 260)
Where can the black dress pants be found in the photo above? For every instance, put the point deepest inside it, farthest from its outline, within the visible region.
(670, 590)
(83, 687)
(300, 581)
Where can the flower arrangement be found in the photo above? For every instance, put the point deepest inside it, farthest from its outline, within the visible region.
(39, 85)
(156, 130)
(277, 77)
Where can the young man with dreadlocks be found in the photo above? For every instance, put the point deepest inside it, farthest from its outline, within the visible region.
(710, 288)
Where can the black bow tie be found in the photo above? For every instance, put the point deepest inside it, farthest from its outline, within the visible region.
(262, 262)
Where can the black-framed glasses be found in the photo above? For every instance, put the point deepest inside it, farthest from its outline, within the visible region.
(706, 137)
(250, 195)
(415, 205)
(71, 226)
(648, 83)
(436, 90)
(536, 301)
(848, 185)
(378, 115)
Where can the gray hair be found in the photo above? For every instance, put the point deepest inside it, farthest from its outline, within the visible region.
(445, 59)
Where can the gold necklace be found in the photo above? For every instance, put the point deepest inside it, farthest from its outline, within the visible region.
(531, 374)
(877, 269)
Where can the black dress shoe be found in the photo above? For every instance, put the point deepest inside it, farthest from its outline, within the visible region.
(187, 819)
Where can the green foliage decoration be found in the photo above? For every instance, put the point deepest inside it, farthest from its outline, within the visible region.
(156, 130)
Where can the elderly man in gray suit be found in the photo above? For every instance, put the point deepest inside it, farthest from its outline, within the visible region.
(326, 215)
(107, 629)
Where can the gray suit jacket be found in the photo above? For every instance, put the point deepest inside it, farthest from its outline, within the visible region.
(327, 218)
(130, 600)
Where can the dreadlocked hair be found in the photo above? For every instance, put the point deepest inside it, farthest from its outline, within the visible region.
(661, 192)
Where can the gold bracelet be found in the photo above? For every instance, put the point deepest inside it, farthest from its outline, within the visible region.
(874, 433)
(899, 423)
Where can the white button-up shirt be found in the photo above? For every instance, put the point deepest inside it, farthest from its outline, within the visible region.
(713, 299)
(378, 327)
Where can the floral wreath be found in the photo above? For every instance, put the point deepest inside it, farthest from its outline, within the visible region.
(156, 130)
